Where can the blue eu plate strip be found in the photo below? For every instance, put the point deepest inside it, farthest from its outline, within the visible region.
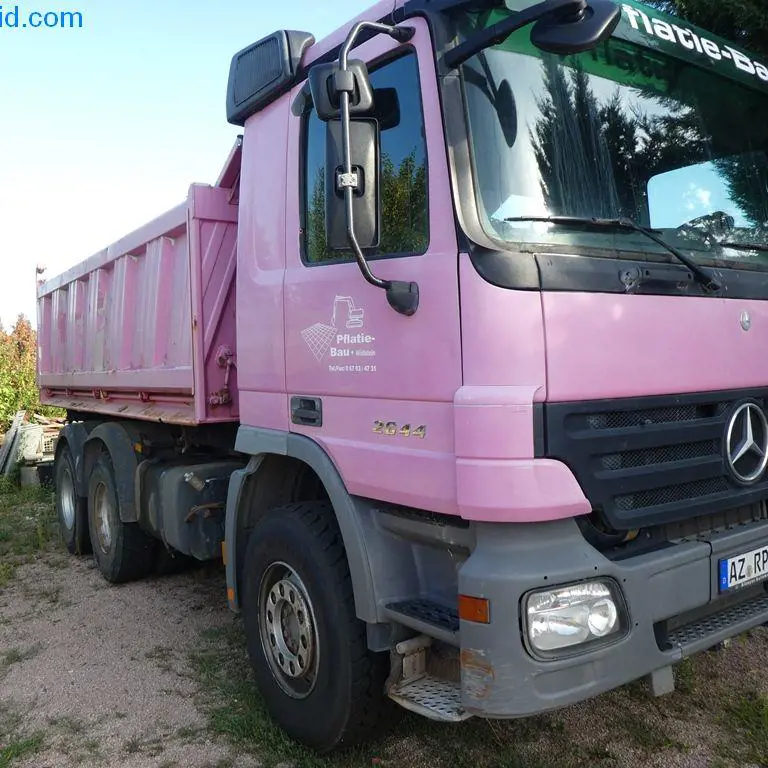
(723, 575)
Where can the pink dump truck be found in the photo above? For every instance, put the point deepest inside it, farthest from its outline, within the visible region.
(460, 365)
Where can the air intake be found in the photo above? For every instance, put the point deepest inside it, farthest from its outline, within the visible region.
(264, 71)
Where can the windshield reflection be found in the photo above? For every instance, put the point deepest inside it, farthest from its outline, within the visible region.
(681, 151)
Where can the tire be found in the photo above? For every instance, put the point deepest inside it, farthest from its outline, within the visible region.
(332, 696)
(123, 552)
(71, 509)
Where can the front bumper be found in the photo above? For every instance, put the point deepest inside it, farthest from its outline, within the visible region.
(672, 596)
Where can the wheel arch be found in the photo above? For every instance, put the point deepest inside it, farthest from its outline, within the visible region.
(256, 487)
(73, 437)
(118, 442)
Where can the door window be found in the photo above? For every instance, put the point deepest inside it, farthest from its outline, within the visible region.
(403, 171)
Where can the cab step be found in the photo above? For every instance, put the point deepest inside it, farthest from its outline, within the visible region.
(427, 616)
(412, 686)
(432, 698)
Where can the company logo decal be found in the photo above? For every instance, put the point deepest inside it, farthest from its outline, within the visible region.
(680, 35)
(338, 339)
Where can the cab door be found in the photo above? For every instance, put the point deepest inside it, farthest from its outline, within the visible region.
(381, 385)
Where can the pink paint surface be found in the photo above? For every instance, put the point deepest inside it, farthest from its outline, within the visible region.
(262, 242)
(603, 346)
(135, 330)
(503, 334)
(415, 369)
(517, 491)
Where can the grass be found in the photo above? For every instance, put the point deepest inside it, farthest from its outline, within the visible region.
(18, 749)
(16, 656)
(623, 727)
(27, 526)
(235, 711)
(69, 736)
(747, 717)
(14, 744)
(149, 747)
(620, 726)
(162, 656)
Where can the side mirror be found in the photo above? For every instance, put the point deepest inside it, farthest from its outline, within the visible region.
(506, 109)
(352, 159)
(328, 81)
(366, 212)
(559, 26)
(386, 108)
(571, 30)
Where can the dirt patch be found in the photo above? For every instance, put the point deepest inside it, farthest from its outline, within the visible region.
(101, 673)
(155, 675)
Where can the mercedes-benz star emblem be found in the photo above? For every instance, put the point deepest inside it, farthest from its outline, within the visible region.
(746, 320)
(746, 444)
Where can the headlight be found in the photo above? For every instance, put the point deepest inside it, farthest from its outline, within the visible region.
(562, 618)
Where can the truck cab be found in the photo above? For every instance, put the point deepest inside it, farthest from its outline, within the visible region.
(498, 434)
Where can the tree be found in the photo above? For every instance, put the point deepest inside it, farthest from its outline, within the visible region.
(743, 21)
(595, 155)
(18, 369)
(593, 158)
(572, 154)
(747, 183)
(404, 205)
(404, 210)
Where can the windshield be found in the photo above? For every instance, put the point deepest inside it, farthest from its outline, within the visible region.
(631, 130)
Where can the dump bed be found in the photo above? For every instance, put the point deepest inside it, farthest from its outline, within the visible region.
(146, 328)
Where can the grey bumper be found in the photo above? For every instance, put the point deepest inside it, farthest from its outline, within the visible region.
(672, 598)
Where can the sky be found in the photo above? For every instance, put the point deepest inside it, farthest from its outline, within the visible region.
(104, 127)
(686, 193)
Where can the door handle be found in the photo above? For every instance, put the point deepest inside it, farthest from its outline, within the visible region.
(307, 411)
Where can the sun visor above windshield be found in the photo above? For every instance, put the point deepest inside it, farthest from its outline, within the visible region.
(654, 33)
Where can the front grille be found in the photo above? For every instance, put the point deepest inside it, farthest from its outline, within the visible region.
(665, 454)
(672, 494)
(641, 418)
(704, 526)
(651, 461)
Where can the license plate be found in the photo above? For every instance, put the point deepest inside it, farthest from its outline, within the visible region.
(741, 570)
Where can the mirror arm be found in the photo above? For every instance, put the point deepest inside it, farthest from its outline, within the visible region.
(498, 33)
(402, 297)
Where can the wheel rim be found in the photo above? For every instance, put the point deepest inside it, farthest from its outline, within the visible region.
(102, 510)
(67, 497)
(288, 630)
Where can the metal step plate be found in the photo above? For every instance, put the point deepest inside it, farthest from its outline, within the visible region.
(429, 612)
(432, 698)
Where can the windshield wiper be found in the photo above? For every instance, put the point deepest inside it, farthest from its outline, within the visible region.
(627, 225)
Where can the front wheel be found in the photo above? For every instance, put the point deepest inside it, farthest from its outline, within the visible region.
(308, 649)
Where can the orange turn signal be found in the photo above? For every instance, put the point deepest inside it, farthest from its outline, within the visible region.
(477, 609)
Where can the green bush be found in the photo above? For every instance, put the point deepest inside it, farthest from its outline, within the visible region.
(18, 370)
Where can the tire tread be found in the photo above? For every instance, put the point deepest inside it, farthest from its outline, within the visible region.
(370, 710)
(134, 560)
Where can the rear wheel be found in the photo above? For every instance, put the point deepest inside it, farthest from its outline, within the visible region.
(123, 552)
(309, 651)
(71, 509)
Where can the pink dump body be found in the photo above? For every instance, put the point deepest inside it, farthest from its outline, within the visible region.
(146, 328)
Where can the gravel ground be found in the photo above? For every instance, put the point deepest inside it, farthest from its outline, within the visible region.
(96, 675)
(102, 671)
